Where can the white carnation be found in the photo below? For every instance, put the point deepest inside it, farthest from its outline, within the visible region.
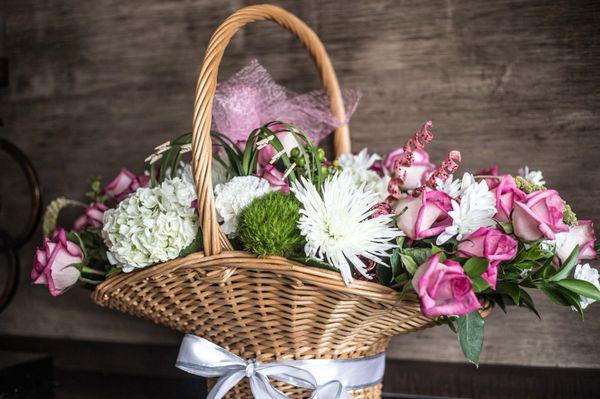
(235, 195)
(589, 274)
(151, 226)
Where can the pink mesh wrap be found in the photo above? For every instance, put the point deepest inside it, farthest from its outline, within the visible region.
(251, 98)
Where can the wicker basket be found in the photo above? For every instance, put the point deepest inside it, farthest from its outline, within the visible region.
(263, 308)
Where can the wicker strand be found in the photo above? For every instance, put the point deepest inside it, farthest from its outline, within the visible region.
(214, 239)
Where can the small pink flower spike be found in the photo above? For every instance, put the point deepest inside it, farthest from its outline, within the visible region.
(445, 169)
(418, 141)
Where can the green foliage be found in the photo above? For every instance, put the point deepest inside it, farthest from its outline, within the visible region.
(52, 212)
(470, 335)
(94, 249)
(269, 226)
(195, 246)
(569, 217)
(527, 186)
(475, 267)
(95, 193)
(533, 267)
(308, 160)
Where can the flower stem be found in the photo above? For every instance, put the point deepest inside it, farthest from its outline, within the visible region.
(89, 270)
(89, 281)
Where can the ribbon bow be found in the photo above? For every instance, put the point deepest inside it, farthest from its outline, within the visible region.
(201, 357)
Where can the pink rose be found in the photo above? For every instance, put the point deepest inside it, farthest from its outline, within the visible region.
(275, 178)
(93, 217)
(416, 174)
(54, 263)
(507, 193)
(489, 244)
(444, 289)
(491, 171)
(583, 235)
(125, 183)
(424, 216)
(539, 215)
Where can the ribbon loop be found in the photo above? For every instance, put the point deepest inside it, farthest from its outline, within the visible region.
(327, 378)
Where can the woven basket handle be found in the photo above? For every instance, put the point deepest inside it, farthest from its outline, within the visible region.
(214, 239)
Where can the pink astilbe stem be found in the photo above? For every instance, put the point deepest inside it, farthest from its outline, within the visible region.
(418, 141)
(445, 169)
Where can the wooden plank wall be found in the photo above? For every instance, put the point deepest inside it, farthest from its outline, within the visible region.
(96, 84)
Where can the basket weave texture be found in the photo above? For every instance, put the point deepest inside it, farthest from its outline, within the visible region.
(262, 308)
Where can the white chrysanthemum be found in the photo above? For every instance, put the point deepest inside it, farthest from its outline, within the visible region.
(337, 226)
(586, 273)
(152, 225)
(533, 176)
(235, 195)
(476, 209)
(455, 188)
(359, 166)
(359, 162)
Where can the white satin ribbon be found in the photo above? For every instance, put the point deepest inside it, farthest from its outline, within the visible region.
(327, 378)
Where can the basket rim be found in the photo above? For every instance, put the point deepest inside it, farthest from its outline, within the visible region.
(296, 271)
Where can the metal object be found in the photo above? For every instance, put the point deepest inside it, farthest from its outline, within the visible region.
(9, 243)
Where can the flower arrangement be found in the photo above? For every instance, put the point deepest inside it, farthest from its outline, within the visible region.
(459, 243)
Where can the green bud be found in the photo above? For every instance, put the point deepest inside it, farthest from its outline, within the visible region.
(301, 162)
(320, 154)
(295, 153)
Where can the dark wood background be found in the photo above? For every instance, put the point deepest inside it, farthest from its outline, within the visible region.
(97, 84)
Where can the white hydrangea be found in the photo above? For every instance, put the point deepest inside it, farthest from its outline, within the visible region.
(235, 195)
(151, 226)
(359, 167)
(587, 273)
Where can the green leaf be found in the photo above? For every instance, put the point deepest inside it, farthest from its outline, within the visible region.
(194, 246)
(480, 284)
(52, 212)
(574, 300)
(567, 266)
(401, 278)
(384, 274)
(554, 294)
(498, 300)
(470, 335)
(475, 267)
(437, 250)
(510, 289)
(581, 287)
(400, 241)
(409, 263)
(527, 301)
(419, 255)
(406, 289)
(395, 262)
